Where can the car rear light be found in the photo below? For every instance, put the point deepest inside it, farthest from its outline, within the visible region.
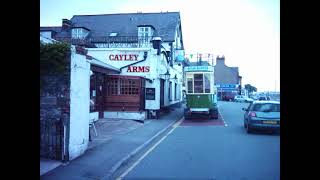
(252, 114)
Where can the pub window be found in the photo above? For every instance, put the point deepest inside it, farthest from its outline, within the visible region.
(123, 87)
(198, 83)
(113, 87)
(79, 33)
(144, 34)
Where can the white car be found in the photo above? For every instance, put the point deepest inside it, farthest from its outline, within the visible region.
(239, 98)
(249, 100)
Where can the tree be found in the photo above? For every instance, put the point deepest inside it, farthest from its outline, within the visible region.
(250, 88)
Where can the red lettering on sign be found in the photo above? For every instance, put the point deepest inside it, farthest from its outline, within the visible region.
(147, 69)
(140, 68)
(111, 57)
(136, 57)
(123, 57)
(134, 69)
(120, 57)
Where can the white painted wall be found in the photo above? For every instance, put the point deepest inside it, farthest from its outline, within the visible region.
(154, 104)
(79, 104)
(125, 115)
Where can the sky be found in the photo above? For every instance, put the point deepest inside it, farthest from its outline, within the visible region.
(246, 32)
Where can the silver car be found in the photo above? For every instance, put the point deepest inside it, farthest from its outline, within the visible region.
(262, 115)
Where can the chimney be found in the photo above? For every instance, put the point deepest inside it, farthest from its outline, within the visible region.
(220, 60)
(66, 24)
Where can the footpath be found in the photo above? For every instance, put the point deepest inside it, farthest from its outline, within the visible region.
(106, 155)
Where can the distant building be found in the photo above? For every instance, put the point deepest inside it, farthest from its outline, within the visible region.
(227, 80)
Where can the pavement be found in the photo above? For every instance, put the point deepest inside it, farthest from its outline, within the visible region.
(117, 142)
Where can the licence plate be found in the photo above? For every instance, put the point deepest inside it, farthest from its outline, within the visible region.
(269, 122)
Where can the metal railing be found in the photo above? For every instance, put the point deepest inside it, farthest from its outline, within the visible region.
(111, 41)
(51, 139)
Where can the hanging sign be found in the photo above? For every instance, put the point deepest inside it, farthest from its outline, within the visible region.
(150, 93)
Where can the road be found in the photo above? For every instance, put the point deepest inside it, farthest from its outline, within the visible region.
(211, 151)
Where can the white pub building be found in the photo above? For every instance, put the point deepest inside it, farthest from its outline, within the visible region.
(147, 49)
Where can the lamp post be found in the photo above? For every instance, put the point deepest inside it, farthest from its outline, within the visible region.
(175, 77)
(166, 75)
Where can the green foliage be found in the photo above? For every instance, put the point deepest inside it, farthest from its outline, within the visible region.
(54, 58)
(250, 88)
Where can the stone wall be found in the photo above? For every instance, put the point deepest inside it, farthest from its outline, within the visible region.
(54, 106)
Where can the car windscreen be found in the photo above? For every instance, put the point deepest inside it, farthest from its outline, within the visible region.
(266, 107)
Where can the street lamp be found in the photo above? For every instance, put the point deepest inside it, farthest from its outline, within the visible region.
(175, 77)
(166, 75)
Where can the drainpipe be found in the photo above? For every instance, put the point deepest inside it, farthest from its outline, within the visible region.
(144, 58)
(156, 43)
(171, 54)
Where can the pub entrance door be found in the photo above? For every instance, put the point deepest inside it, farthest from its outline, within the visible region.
(161, 93)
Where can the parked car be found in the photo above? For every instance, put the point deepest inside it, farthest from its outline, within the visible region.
(247, 99)
(262, 115)
(239, 98)
(263, 98)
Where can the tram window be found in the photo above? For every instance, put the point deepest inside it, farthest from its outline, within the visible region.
(190, 85)
(207, 83)
(198, 83)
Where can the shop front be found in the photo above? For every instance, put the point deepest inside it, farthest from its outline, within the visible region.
(146, 83)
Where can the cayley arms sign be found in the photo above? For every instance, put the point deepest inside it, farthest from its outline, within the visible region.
(129, 57)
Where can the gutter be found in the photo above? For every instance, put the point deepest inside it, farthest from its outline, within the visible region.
(144, 58)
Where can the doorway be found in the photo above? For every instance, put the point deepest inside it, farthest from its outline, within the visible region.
(161, 93)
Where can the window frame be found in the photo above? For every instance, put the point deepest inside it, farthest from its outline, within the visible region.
(190, 75)
(123, 87)
(79, 33)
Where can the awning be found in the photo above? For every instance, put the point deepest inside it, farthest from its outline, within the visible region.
(103, 65)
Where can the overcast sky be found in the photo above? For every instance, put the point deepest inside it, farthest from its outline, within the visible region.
(246, 32)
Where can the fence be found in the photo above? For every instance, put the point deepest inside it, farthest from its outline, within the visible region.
(111, 42)
(51, 139)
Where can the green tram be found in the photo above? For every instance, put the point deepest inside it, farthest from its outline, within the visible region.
(201, 94)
